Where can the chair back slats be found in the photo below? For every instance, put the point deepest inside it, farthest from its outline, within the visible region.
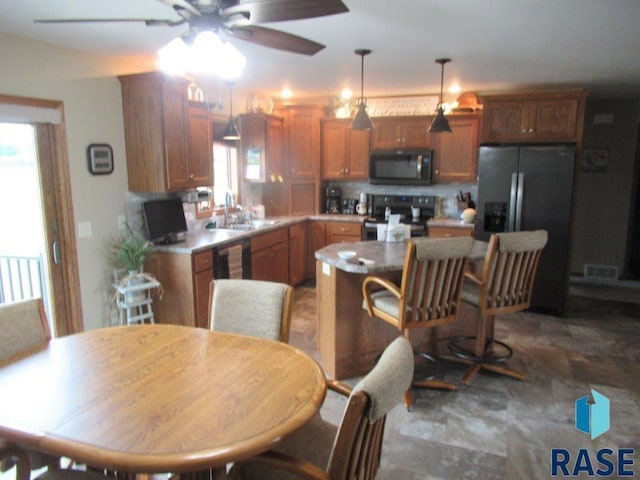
(510, 270)
(432, 281)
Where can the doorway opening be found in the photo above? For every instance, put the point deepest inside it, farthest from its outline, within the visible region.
(24, 271)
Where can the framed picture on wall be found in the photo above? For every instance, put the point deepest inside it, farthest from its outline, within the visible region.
(595, 159)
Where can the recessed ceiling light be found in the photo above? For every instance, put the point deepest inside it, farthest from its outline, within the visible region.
(455, 88)
(346, 94)
(286, 92)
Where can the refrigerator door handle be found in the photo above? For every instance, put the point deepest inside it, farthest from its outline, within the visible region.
(520, 202)
(513, 200)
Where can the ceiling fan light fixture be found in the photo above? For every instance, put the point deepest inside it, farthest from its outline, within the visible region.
(440, 123)
(231, 131)
(361, 120)
(205, 54)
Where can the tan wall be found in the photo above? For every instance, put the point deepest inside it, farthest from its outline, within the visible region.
(93, 114)
(603, 199)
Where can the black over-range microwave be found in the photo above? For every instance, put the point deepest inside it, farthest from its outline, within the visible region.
(400, 167)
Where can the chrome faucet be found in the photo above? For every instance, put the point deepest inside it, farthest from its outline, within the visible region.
(228, 202)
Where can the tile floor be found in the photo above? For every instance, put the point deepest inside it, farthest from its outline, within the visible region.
(500, 428)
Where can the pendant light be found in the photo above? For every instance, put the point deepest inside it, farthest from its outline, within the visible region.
(231, 132)
(361, 120)
(440, 123)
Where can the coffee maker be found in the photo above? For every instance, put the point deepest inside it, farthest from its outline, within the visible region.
(333, 199)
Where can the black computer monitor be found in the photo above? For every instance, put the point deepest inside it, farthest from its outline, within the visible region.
(165, 219)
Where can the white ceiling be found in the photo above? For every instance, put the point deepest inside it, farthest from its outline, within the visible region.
(495, 45)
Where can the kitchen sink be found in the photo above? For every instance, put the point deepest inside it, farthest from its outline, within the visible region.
(254, 225)
(263, 223)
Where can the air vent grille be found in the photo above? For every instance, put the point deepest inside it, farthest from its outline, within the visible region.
(606, 272)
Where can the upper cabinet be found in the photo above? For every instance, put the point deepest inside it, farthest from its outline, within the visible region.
(262, 152)
(345, 152)
(533, 117)
(304, 142)
(400, 132)
(455, 154)
(163, 153)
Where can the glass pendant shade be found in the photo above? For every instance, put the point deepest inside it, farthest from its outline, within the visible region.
(230, 131)
(440, 123)
(361, 120)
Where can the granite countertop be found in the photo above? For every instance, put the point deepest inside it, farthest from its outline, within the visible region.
(386, 256)
(218, 237)
(448, 222)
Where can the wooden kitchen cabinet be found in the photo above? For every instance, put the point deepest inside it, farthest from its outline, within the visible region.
(344, 152)
(401, 132)
(439, 231)
(304, 142)
(533, 117)
(157, 135)
(324, 233)
(297, 252)
(455, 154)
(270, 256)
(262, 148)
(185, 281)
(200, 146)
(337, 232)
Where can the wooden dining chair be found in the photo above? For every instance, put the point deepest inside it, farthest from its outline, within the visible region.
(24, 329)
(251, 307)
(351, 450)
(505, 286)
(428, 295)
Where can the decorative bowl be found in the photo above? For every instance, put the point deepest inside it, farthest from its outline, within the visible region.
(346, 254)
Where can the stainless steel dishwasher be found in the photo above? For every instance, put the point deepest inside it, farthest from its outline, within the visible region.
(221, 259)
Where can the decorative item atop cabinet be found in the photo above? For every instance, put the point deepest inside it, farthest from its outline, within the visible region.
(168, 143)
(534, 117)
(401, 132)
(344, 152)
(262, 152)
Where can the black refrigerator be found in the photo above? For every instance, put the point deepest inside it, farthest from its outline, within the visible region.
(530, 187)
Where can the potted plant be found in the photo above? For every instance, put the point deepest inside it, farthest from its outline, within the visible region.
(132, 250)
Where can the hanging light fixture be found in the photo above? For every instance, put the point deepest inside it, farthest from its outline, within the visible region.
(440, 123)
(231, 132)
(361, 120)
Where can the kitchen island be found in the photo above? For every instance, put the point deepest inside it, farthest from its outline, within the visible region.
(348, 340)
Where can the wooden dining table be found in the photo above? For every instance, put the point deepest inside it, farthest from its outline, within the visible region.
(158, 398)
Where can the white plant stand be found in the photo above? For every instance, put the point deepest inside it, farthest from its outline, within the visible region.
(133, 297)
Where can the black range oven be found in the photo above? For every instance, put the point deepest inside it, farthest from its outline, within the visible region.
(414, 211)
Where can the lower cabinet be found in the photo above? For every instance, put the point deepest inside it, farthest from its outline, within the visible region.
(326, 233)
(450, 231)
(185, 280)
(297, 252)
(270, 256)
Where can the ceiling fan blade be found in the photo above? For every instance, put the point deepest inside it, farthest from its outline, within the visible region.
(265, 11)
(147, 21)
(276, 39)
(183, 4)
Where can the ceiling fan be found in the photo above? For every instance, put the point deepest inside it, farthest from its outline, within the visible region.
(238, 18)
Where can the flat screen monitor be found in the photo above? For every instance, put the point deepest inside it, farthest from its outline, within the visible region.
(165, 219)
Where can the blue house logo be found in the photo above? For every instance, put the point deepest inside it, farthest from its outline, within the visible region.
(592, 414)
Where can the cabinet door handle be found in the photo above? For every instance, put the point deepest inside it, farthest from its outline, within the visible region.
(191, 176)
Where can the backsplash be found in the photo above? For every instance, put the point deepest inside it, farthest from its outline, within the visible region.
(448, 191)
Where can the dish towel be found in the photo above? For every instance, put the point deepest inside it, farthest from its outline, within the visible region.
(235, 262)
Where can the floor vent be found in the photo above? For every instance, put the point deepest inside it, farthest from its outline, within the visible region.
(605, 272)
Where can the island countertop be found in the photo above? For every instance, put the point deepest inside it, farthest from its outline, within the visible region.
(386, 256)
